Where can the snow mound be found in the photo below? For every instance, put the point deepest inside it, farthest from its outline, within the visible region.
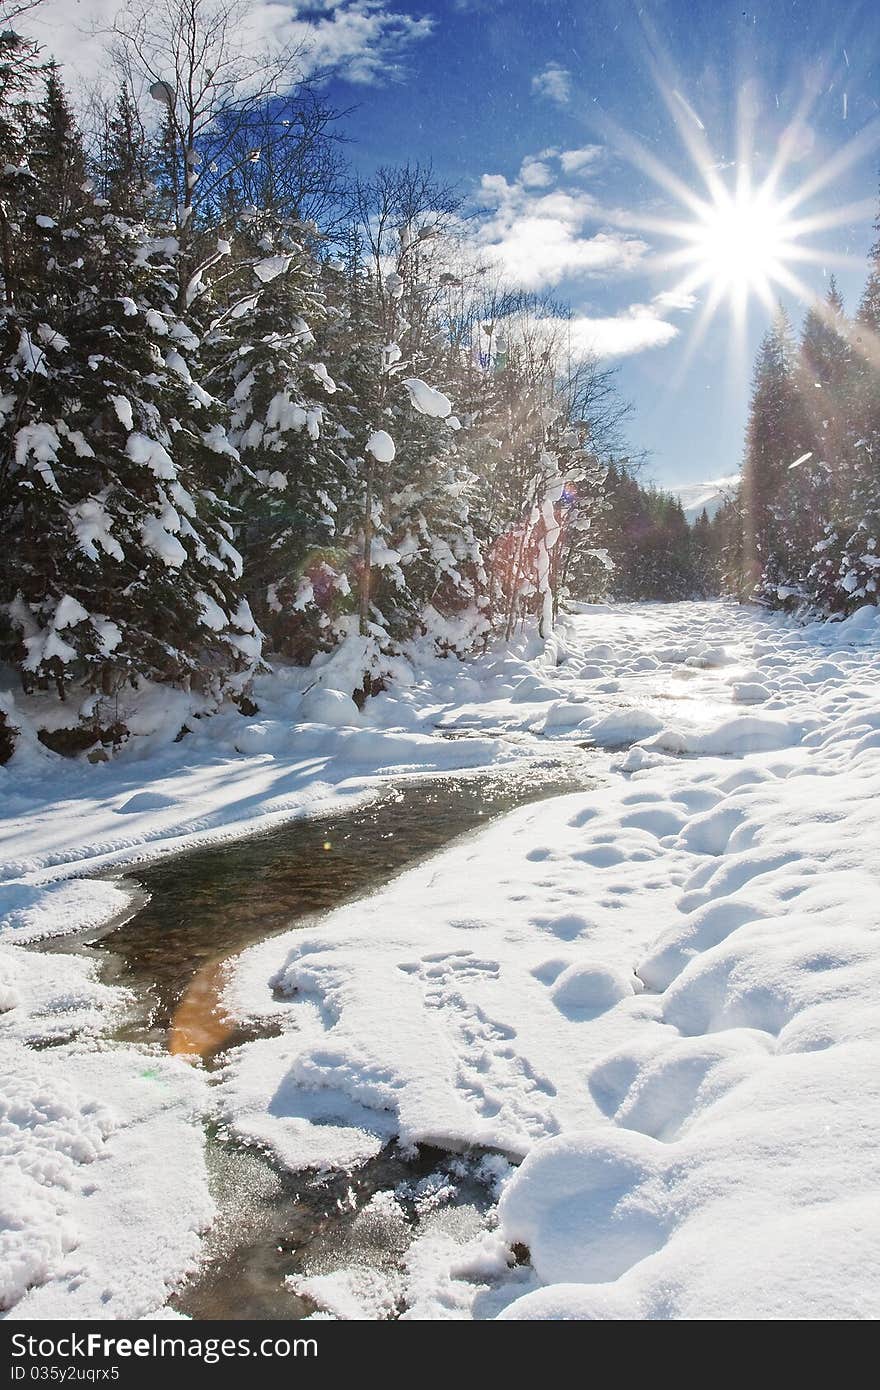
(590, 988)
(323, 706)
(587, 1207)
(565, 714)
(735, 737)
(617, 730)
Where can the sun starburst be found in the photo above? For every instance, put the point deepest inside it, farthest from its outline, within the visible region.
(737, 239)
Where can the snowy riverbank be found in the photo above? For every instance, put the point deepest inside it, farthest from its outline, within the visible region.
(659, 994)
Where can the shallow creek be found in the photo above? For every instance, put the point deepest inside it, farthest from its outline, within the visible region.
(194, 911)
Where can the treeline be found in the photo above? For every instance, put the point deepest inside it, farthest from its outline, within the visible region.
(648, 549)
(252, 405)
(803, 529)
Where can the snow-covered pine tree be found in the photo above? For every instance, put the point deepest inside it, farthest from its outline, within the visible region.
(19, 70)
(123, 165)
(119, 567)
(290, 482)
(702, 558)
(420, 569)
(819, 475)
(728, 533)
(530, 442)
(853, 546)
(774, 436)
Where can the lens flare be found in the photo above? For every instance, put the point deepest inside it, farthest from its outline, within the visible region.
(744, 226)
(739, 244)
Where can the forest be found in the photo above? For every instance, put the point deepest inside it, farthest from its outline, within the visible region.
(254, 404)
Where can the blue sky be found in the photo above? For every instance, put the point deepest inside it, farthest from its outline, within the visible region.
(530, 106)
(494, 84)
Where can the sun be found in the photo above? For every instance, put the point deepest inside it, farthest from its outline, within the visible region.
(740, 227)
(739, 245)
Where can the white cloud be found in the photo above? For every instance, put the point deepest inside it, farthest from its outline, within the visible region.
(618, 336)
(587, 337)
(674, 299)
(535, 173)
(540, 251)
(573, 161)
(364, 40)
(554, 83)
(539, 236)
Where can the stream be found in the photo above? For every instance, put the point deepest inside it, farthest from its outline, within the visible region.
(195, 910)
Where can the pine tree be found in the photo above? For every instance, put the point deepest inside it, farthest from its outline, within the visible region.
(419, 565)
(125, 161)
(289, 486)
(120, 566)
(773, 442)
(56, 153)
(853, 547)
(702, 557)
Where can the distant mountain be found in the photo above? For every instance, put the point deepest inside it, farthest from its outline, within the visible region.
(695, 496)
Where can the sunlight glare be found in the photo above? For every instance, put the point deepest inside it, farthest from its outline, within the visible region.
(738, 244)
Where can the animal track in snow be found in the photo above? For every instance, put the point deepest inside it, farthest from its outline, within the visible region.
(496, 1079)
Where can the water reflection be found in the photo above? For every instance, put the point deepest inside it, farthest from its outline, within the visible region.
(208, 904)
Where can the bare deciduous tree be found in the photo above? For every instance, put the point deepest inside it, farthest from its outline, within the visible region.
(211, 83)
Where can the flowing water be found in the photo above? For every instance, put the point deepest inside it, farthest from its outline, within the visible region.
(199, 908)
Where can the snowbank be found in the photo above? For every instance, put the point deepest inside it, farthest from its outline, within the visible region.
(658, 998)
(105, 1190)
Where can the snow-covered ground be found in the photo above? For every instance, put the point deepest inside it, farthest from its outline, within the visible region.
(655, 1001)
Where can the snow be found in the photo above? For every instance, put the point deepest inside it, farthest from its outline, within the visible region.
(84, 1232)
(30, 913)
(42, 441)
(160, 540)
(658, 997)
(381, 446)
(319, 370)
(141, 449)
(271, 267)
(122, 406)
(695, 497)
(322, 706)
(652, 1002)
(426, 399)
(68, 612)
(91, 525)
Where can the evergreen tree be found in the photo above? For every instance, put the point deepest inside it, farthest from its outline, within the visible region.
(703, 561)
(119, 566)
(56, 154)
(289, 483)
(125, 160)
(773, 443)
